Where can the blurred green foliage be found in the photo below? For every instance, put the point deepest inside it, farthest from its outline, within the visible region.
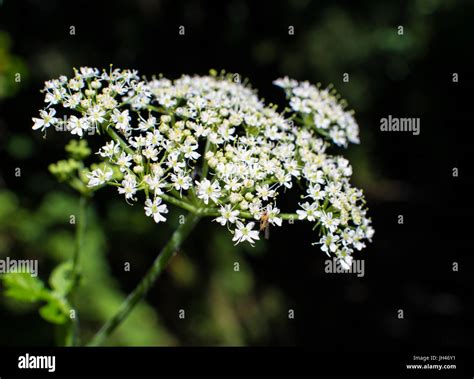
(25, 287)
(45, 233)
(231, 305)
(358, 41)
(12, 68)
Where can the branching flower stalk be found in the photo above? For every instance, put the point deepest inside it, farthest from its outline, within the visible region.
(209, 145)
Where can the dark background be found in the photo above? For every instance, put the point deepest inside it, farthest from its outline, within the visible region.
(407, 267)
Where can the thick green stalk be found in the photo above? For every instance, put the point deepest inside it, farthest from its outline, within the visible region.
(147, 281)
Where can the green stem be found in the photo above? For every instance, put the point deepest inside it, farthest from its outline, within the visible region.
(247, 215)
(179, 203)
(71, 330)
(80, 230)
(147, 281)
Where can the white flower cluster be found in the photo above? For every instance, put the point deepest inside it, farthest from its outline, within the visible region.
(322, 110)
(210, 143)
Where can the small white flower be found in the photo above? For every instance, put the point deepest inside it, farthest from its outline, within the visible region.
(47, 119)
(155, 209)
(264, 192)
(227, 215)
(88, 72)
(150, 153)
(109, 149)
(272, 214)
(329, 243)
(347, 236)
(148, 124)
(174, 162)
(155, 184)
(73, 100)
(207, 191)
(128, 189)
(346, 261)
(96, 114)
(189, 151)
(309, 212)
(245, 233)
(329, 221)
(285, 82)
(99, 177)
(315, 192)
(181, 182)
(121, 120)
(76, 84)
(124, 161)
(77, 126)
(58, 95)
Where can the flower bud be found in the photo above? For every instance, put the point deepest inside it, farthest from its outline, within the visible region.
(138, 169)
(137, 158)
(244, 204)
(163, 128)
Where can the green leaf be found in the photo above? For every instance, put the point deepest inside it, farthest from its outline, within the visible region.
(61, 278)
(23, 286)
(53, 312)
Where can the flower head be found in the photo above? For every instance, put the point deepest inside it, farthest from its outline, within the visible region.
(210, 143)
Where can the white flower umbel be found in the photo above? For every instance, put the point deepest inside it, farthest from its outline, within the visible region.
(209, 145)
